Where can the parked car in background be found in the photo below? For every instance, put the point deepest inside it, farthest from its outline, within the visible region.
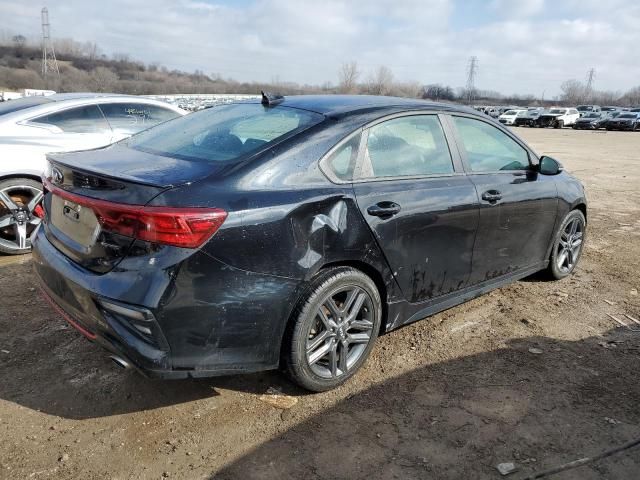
(592, 121)
(584, 109)
(31, 127)
(624, 121)
(290, 233)
(610, 108)
(635, 109)
(529, 117)
(558, 118)
(509, 117)
(493, 112)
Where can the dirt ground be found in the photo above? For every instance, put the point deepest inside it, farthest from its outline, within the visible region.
(448, 397)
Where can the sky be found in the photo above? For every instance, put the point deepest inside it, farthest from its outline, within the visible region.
(522, 46)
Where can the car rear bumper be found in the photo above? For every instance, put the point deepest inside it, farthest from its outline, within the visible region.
(197, 327)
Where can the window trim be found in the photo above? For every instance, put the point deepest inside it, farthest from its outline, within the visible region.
(534, 160)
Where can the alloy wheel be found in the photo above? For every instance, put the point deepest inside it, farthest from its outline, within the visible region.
(341, 330)
(19, 205)
(569, 245)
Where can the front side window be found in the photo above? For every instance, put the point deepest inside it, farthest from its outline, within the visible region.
(407, 146)
(489, 149)
(130, 118)
(86, 119)
(224, 133)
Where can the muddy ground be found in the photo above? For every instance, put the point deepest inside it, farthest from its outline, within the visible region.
(448, 397)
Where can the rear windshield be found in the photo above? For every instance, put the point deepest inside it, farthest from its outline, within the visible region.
(11, 106)
(628, 115)
(223, 133)
(592, 115)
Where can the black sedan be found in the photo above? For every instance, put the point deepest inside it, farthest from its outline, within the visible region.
(624, 121)
(292, 232)
(592, 121)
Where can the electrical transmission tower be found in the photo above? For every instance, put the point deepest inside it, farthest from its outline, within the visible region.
(591, 75)
(472, 70)
(49, 62)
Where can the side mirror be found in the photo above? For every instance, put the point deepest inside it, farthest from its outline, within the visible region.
(550, 166)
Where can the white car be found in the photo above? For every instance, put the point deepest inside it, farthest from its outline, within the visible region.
(558, 118)
(509, 117)
(31, 127)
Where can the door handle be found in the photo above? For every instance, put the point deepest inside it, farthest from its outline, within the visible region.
(384, 209)
(492, 196)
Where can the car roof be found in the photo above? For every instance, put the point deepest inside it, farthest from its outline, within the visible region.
(331, 105)
(59, 97)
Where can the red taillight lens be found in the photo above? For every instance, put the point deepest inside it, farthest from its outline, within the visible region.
(181, 227)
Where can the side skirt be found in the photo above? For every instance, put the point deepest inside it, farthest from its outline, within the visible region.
(413, 312)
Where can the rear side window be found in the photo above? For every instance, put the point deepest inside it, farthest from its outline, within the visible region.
(407, 146)
(224, 133)
(342, 161)
(488, 148)
(87, 119)
(130, 118)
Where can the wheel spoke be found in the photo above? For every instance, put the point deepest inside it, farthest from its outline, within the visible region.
(4, 198)
(562, 258)
(33, 203)
(569, 258)
(320, 353)
(342, 361)
(333, 308)
(361, 325)
(333, 360)
(574, 227)
(317, 341)
(356, 304)
(6, 221)
(21, 235)
(328, 323)
(353, 338)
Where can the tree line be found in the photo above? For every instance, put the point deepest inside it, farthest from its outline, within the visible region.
(84, 67)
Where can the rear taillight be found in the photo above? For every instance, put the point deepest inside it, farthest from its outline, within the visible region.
(180, 227)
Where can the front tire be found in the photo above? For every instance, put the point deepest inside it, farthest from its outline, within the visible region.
(568, 245)
(559, 124)
(19, 200)
(333, 329)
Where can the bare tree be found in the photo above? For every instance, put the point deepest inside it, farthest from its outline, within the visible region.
(19, 42)
(103, 79)
(573, 91)
(348, 77)
(632, 97)
(381, 82)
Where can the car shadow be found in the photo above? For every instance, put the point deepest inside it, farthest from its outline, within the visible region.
(458, 419)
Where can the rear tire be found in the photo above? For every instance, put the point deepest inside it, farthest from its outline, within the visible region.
(333, 329)
(18, 199)
(568, 245)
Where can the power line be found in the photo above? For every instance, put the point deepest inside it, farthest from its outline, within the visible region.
(49, 62)
(472, 70)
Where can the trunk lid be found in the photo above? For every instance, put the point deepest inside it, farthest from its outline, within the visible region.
(74, 181)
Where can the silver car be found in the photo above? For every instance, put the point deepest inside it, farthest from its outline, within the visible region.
(31, 127)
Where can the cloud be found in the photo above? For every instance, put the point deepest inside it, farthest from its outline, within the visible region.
(517, 9)
(524, 47)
